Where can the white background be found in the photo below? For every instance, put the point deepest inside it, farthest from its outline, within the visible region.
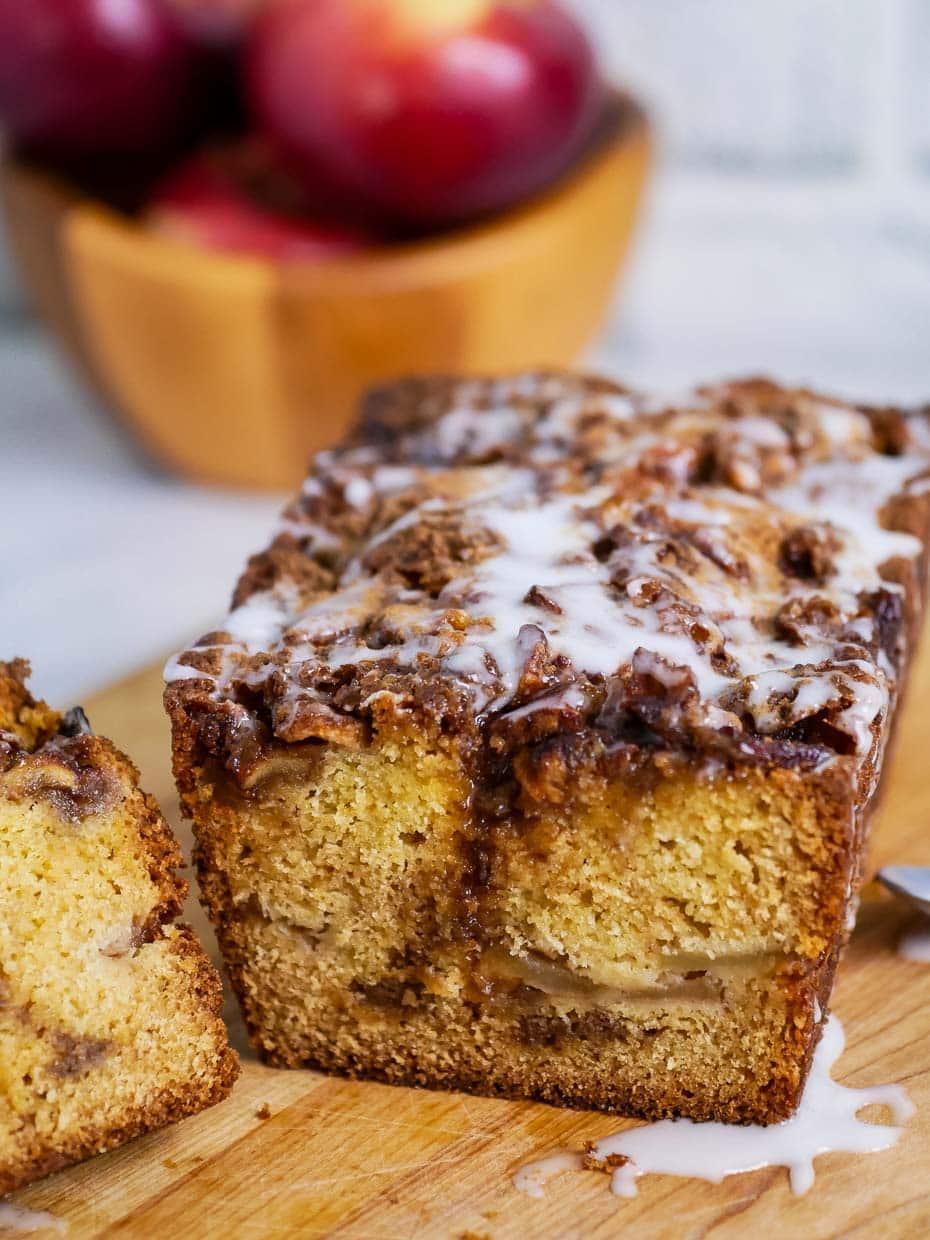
(789, 232)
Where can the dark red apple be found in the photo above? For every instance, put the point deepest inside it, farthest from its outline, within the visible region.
(235, 202)
(85, 78)
(430, 111)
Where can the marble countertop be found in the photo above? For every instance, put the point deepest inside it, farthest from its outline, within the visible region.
(106, 564)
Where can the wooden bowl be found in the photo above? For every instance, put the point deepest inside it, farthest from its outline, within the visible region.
(235, 370)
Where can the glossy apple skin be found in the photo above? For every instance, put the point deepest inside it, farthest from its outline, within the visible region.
(214, 200)
(84, 78)
(428, 127)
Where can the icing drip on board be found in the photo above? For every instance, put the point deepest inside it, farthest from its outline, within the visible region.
(826, 1121)
(16, 1219)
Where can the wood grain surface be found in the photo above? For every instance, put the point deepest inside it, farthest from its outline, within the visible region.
(300, 1154)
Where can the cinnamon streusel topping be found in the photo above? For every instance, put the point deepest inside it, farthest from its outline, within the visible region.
(723, 572)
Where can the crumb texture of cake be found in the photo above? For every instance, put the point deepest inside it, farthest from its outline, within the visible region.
(109, 1012)
(536, 754)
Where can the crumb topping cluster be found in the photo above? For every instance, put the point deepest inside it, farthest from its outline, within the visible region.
(726, 570)
(46, 756)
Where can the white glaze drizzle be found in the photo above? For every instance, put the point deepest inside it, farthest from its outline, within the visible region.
(358, 492)
(826, 1121)
(532, 1177)
(16, 1218)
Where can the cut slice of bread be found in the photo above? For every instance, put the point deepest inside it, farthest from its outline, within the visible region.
(109, 1012)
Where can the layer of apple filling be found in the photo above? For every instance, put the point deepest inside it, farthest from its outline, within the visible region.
(682, 978)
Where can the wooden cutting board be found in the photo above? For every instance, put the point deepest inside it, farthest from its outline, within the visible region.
(300, 1154)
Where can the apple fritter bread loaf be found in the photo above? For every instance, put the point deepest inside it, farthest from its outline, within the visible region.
(536, 754)
(109, 1013)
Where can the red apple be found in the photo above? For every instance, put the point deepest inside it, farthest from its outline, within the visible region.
(82, 78)
(430, 111)
(233, 201)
